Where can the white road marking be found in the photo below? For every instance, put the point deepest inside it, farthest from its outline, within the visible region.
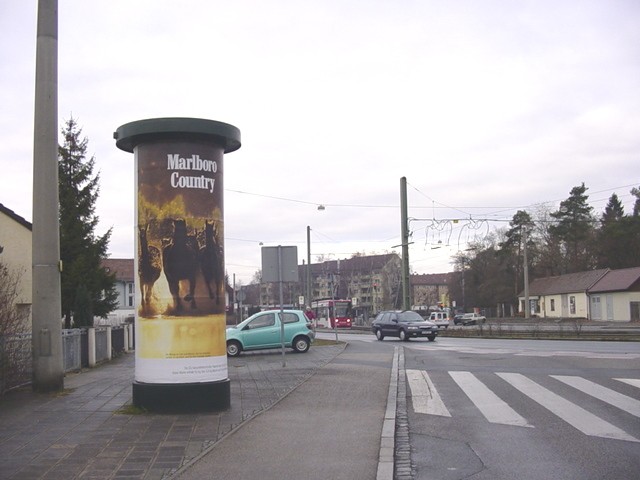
(623, 402)
(441, 346)
(571, 413)
(635, 382)
(592, 355)
(424, 396)
(492, 407)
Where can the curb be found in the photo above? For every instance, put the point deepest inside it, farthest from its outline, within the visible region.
(387, 441)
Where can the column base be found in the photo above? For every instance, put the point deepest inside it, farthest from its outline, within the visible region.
(182, 397)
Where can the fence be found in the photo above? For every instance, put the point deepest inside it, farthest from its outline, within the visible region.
(81, 348)
(15, 361)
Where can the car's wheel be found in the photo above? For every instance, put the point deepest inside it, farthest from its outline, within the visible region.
(233, 348)
(301, 344)
(432, 338)
(379, 335)
(403, 336)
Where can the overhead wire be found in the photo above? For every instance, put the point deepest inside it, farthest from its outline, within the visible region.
(469, 221)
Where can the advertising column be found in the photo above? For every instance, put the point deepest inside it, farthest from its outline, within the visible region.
(180, 323)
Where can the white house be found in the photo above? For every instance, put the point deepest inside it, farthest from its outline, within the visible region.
(616, 296)
(610, 295)
(562, 296)
(123, 268)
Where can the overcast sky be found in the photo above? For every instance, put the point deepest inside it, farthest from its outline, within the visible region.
(485, 106)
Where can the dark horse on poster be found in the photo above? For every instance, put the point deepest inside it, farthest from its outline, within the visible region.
(211, 261)
(180, 262)
(149, 266)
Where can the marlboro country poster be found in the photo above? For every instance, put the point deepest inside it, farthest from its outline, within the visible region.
(180, 320)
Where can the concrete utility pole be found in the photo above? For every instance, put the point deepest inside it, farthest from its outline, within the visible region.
(308, 300)
(406, 294)
(48, 370)
(527, 306)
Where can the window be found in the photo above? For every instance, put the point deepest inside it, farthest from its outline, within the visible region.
(289, 317)
(535, 306)
(130, 295)
(572, 304)
(553, 304)
(266, 320)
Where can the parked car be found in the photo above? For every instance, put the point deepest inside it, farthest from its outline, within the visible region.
(471, 319)
(404, 325)
(441, 319)
(262, 330)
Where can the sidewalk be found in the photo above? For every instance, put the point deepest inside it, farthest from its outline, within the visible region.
(80, 433)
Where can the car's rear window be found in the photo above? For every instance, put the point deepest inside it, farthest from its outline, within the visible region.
(410, 317)
(288, 317)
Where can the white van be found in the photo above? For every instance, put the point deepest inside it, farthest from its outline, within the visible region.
(441, 319)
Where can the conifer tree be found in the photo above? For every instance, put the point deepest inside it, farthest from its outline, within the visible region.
(636, 206)
(614, 210)
(81, 250)
(612, 235)
(618, 245)
(575, 231)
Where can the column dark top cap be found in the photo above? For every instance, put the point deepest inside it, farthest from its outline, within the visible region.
(131, 134)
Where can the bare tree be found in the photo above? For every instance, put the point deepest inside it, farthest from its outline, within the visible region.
(13, 320)
(15, 365)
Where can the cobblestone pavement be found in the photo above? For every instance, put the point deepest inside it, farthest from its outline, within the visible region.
(84, 432)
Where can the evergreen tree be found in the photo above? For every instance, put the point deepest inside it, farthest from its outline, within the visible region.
(83, 312)
(636, 206)
(611, 236)
(574, 231)
(613, 212)
(81, 251)
(618, 245)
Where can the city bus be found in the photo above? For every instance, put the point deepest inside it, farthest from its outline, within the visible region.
(332, 313)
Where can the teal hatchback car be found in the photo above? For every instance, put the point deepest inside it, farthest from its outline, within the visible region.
(262, 330)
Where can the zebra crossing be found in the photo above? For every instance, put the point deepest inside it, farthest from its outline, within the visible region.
(426, 399)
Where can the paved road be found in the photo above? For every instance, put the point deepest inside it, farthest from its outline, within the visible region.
(334, 423)
(527, 410)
